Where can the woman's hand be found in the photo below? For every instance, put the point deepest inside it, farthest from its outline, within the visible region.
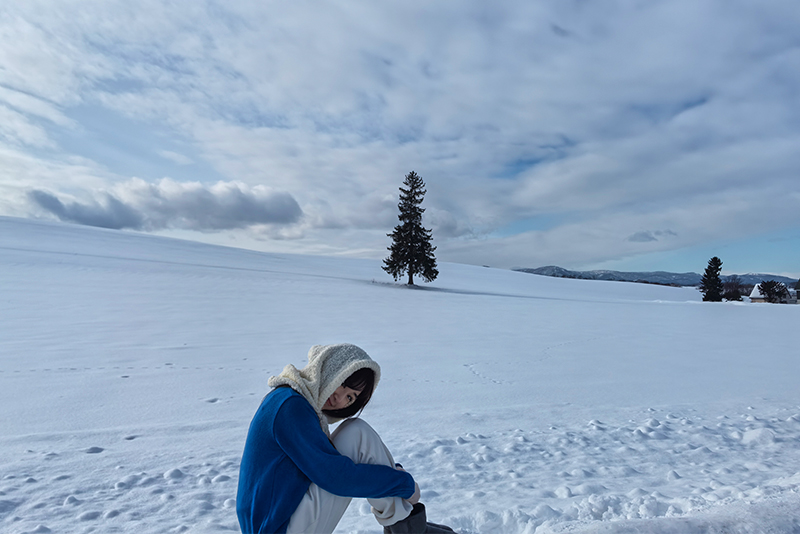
(414, 499)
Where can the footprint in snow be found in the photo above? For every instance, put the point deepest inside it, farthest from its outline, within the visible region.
(760, 436)
(173, 474)
(94, 450)
(7, 506)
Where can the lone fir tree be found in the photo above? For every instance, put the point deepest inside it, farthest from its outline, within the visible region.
(711, 284)
(411, 249)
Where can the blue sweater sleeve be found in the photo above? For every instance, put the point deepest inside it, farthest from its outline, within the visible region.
(297, 432)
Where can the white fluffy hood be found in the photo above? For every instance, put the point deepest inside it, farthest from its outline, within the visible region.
(328, 367)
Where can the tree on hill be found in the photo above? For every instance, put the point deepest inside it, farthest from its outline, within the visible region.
(411, 249)
(711, 284)
(733, 288)
(773, 291)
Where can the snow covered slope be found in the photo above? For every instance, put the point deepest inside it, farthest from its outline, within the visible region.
(130, 367)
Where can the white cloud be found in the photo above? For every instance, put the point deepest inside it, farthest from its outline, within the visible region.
(175, 157)
(17, 129)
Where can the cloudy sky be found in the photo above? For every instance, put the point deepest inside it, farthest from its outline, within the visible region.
(630, 135)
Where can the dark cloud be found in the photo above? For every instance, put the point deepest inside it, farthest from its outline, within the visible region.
(167, 204)
(111, 214)
(558, 30)
(648, 236)
(642, 237)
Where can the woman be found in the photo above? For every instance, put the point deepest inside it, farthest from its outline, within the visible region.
(295, 477)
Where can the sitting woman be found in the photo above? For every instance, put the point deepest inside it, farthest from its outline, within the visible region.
(295, 477)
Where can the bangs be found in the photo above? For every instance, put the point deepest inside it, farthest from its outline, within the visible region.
(361, 379)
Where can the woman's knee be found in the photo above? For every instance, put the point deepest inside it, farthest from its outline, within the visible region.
(357, 440)
(352, 430)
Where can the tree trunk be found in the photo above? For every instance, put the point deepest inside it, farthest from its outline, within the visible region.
(410, 278)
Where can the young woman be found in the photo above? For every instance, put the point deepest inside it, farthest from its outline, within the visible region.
(295, 477)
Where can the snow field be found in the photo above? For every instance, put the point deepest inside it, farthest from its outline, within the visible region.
(665, 465)
(648, 469)
(130, 367)
(127, 485)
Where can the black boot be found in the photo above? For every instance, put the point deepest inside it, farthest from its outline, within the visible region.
(434, 528)
(417, 523)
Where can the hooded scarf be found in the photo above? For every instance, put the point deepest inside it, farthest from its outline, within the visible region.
(328, 367)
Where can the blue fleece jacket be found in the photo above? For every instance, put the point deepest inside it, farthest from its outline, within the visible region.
(285, 451)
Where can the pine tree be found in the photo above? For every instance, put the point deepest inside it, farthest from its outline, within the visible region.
(773, 291)
(711, 284)
(411, 249)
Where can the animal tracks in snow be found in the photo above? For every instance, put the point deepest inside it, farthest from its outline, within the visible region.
(166, 367)
(472, 367)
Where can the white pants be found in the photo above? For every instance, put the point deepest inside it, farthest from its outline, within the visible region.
(319, 512)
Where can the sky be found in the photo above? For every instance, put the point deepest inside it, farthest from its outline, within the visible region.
(618, 135)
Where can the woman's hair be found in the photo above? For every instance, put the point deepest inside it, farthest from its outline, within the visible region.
(362, 380)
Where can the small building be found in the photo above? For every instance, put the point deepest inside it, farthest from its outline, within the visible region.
(756, 296)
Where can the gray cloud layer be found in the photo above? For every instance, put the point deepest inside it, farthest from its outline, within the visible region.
(142, 206)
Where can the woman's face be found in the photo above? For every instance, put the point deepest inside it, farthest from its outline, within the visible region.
(341, 398)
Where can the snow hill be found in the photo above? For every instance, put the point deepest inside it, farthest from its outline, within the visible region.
(130, 366)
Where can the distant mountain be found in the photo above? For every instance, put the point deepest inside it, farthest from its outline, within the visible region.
(655, 277)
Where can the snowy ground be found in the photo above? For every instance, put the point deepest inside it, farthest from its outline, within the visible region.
(130, 367)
